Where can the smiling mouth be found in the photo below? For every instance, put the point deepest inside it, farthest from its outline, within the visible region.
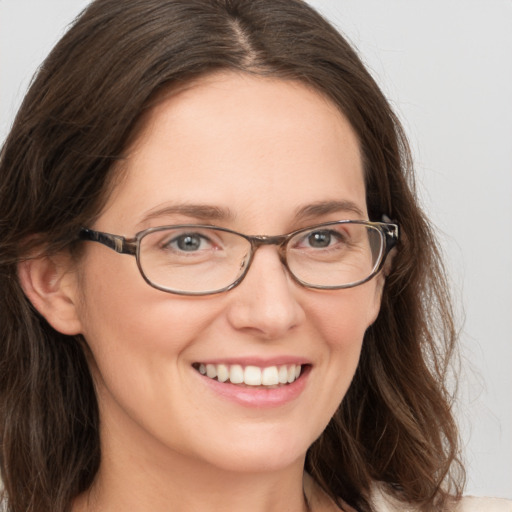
(269, 376)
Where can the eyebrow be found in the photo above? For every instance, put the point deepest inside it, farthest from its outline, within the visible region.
(203, 212)
(326, 207)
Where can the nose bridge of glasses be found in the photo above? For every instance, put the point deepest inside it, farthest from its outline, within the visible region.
(280, 241)
(259, 240)
(277, 240)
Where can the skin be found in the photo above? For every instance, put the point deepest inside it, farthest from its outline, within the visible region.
(262, 148)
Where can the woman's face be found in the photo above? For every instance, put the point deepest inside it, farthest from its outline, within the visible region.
(259, 156)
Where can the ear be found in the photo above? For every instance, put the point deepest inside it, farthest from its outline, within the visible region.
(380, 281)
(388, 264)
(374, 309)
(50, 283)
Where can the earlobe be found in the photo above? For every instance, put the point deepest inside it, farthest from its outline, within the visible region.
(50, 286)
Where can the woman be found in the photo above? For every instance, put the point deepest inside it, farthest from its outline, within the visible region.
(219, 291)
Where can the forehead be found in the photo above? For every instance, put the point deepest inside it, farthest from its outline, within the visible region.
(251, 144)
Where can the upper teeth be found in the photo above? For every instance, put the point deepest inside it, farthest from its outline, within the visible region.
(252, 375)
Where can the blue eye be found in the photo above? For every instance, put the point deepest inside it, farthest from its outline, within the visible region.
(323, 239)
(320, 239)
(188, 242)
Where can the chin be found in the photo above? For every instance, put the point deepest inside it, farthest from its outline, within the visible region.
(262, 462)
(258, 453)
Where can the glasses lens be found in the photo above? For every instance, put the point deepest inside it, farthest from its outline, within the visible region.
(335, 255)
(192, 259)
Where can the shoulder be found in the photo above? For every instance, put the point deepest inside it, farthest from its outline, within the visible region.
(383, 502)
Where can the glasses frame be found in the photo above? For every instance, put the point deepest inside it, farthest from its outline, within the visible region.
(389, 232)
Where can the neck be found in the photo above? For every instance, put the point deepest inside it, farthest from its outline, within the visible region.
(184, 491)
(143, 481)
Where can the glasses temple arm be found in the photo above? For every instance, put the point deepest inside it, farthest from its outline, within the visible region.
(116, 242)
(392, 232)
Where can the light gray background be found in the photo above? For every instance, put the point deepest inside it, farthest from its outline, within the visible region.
(446, 66)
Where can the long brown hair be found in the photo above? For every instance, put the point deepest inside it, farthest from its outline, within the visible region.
(395, 424)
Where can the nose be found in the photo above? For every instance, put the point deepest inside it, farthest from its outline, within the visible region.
(265, 302)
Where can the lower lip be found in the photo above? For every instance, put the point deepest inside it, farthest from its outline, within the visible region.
(258, 396)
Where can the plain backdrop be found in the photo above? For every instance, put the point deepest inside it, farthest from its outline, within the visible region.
(446, 67)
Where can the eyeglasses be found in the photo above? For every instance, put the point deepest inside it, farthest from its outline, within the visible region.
(196, 259)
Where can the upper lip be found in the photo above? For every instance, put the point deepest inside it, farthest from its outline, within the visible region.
(262, 362)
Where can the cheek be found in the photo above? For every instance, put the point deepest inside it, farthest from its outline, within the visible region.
(129, 326)
(341, 319)
(343, 316)
(118, 302)
(139, 338)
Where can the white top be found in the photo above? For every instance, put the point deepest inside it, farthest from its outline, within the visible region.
(382, 502)
(386, 503)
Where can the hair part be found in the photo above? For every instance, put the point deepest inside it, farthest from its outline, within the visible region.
(60, 162)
